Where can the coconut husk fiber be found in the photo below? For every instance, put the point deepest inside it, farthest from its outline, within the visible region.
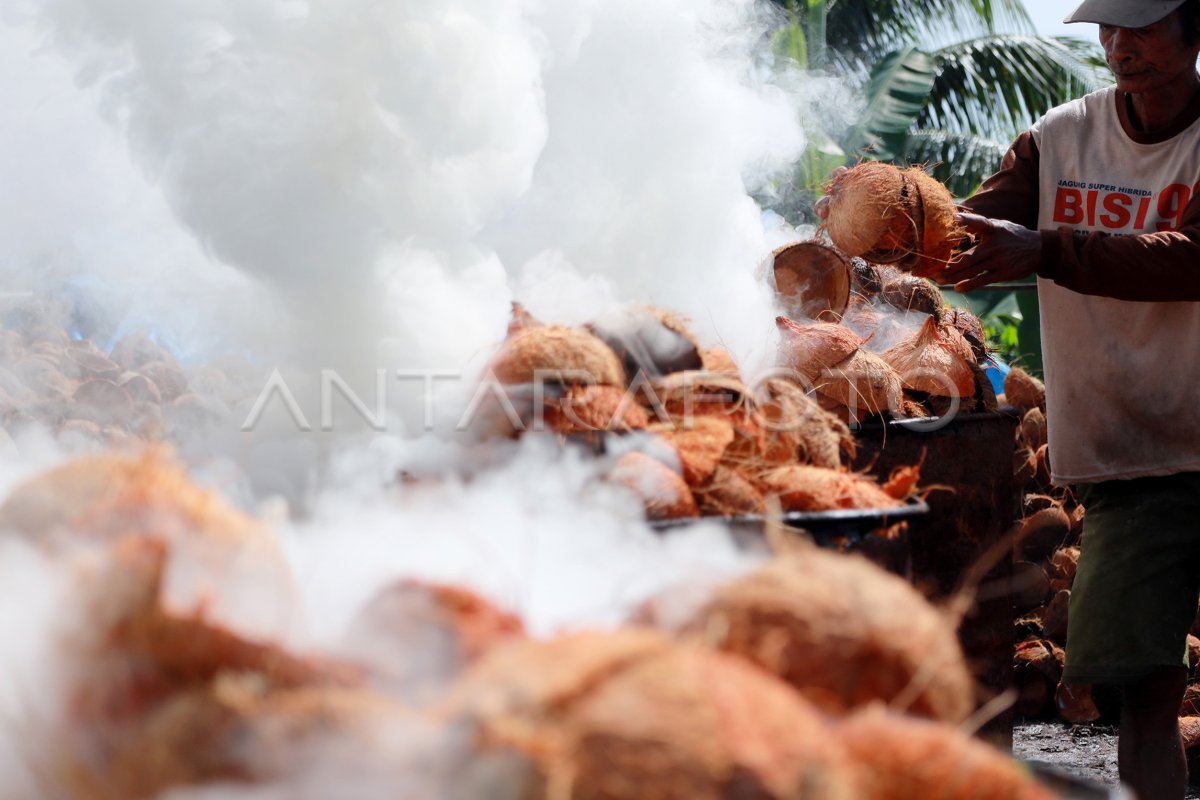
(727, 493)
(874, 213)
(798, 430)
(935, 360)
(890, 215)
(687, 396)
(811, 348)
(629, 715)
(911, 293)
(558, 354)
(904, 758)
(663, 491)
(811, 279)
(594, 408)
(844, 633)
(701, 445)
(803, 487)
(864, 383)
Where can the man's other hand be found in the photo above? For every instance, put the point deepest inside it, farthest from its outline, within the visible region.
(1003, 251)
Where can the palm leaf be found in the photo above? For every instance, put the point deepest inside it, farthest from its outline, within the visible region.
(896, 96)
(957, 159)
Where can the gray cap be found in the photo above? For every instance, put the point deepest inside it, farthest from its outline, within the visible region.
(1123, 13)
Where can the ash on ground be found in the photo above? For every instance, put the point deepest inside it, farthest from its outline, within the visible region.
(1087, 752)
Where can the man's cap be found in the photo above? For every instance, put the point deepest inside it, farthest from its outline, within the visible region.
(1123, 13)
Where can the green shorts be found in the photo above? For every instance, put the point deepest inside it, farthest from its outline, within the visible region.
(1136, 590)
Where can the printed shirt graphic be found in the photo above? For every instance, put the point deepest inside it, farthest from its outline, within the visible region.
(1122, 399)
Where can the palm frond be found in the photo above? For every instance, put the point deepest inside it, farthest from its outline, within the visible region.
(863, 28)
(957, 158)
(1005, 81)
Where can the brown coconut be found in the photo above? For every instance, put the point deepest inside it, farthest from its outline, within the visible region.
(1043, 532)
(1024, 390)
(1054, 621)
(720, 361)
(701, 446)
(1037, 669)
(798, 430)
(811, 279)
(1075, 703)
(864, 383)
(585, 409)
(910, 293)
(874, 213)
(629, 715)
(729, 494)
(1033, 428)
(971, 328)
(540, 352)
(811, 348)
(663, 491)
(687, 396)
(904, 758)
(1030, 585)
(828, 623)
(1191, 701)
(521, 319)
(935, 360)
(804, 487)
(941, 232)
(1063, 565)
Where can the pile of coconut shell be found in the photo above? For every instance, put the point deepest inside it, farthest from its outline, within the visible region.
(697, 440)
(789, 682)
(1046, 553)
(894, 349)
(94, 398)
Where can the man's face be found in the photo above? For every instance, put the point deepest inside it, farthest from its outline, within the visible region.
(1149, 58)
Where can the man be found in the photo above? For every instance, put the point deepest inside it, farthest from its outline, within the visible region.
(1101, 200)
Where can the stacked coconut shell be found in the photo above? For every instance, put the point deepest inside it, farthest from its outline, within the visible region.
(93, 397)
(708, 444)
(1047, 546)
(787, 683)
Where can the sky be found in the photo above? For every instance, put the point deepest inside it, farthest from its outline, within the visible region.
(1048, 16)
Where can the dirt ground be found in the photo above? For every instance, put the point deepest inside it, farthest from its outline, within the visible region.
(1086, 752)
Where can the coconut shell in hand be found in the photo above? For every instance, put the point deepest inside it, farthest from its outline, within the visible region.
(844, 633)
(895, 216)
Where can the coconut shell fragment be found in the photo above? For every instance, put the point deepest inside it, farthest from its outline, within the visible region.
(811, 348)
(701, 445)
(803, 487)
(663, 491)
(811, 279)
(1024, 390)
(584, 409)
(556, 353)
(936, 360)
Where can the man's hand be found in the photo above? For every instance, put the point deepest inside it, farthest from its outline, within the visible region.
(1003, 251)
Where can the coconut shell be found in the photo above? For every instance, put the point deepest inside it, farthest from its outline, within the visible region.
(521, 320)
(1054, 622)
(649, 340)
(686, 396)
(941, 233)
(798, 430)
(864, 278)
(1033, 428)
(971, 328)
(1044, 475)
(1063, 565)
(874, 213)
(1030, 585)
(537, 353)
(1191, 701)
(594, 408)
(903, 758)
(629, 715)
(728, 494)
(701, 445)
(863, 383)
(1075, 703)
(827, 624)
(1042, 533)
(811, 348)
(720, 361)
(1024, 390)
(811, 279)
(936, 360)
(1193, 647)
(910, 293)
(663, 491)
(1024, 466)
(1037, 669)
(809, 488)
